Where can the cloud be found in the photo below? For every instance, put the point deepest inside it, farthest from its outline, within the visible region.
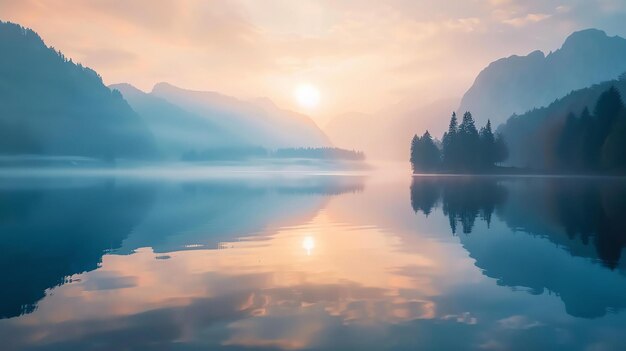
(525, 20)
(563, 9)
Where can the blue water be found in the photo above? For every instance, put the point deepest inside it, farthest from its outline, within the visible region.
(302, 261)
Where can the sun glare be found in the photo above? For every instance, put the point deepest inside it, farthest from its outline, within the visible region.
(308, 244)
(307, 95)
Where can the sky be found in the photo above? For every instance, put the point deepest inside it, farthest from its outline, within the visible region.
(362, 55)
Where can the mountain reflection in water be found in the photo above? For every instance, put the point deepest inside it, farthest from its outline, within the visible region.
(312, 262)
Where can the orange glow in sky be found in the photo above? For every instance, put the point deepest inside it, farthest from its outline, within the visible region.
(363, 55)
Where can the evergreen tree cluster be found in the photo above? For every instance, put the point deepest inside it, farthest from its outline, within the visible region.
(593, 143)
(425, 155)
(533, 137)
(463, 148)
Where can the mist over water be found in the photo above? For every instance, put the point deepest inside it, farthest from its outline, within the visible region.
(310, 260)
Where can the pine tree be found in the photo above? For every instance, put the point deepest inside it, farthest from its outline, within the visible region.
(607, 109)
(454, 124)
(468, 143)
(487, 146)
(425, 155)
(468, 126)
(415, 143)
(449, 142)
(431, 156)
(613, 151)
(606, 112)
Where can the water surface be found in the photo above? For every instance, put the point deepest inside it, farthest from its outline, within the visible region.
(312, 262)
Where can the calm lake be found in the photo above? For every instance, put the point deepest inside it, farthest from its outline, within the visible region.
(298, 261)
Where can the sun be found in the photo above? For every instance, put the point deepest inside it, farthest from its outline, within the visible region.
(307, 95)
(308, 244)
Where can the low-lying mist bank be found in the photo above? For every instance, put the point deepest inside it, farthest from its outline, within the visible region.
(36, 166)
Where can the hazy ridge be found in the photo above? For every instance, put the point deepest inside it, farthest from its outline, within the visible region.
(517, 84)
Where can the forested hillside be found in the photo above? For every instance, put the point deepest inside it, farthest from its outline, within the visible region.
(579, 132)
(50, 105)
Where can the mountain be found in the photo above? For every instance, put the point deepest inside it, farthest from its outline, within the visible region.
(387, 134)
(529, 135)
(258, 123)
(519, 83)
(176, 130)
(51, 106)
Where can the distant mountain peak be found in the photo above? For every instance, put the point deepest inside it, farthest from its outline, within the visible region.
(584, 37)
(165, 89)
(516, 84)
(126, 88)
(257, 122)
(536, 54)
(163, 86)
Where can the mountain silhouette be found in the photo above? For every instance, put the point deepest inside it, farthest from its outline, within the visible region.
(517, 84)
(226, 120)
(176, 130)
(50, 105)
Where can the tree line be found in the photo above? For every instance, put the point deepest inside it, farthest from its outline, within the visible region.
(593, 142)
(251, 152)
(463, 148)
